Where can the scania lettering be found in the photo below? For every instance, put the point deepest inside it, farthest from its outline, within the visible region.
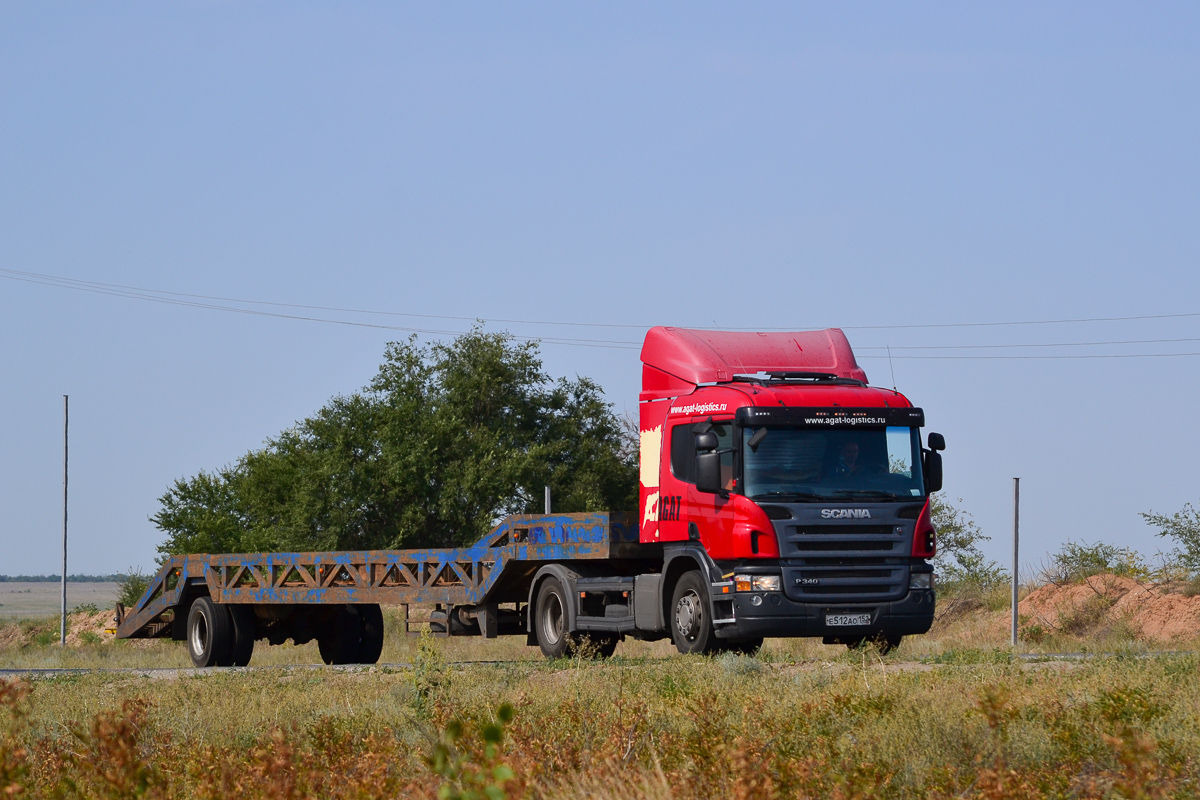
(780, 496)
(845, 513)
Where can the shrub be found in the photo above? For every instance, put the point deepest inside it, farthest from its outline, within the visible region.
(1075, 562)
(1184, 527)
(958, 558)
(131, 586)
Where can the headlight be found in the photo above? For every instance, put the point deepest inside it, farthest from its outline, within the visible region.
(766, 583)
(920, 580)
(743, 583)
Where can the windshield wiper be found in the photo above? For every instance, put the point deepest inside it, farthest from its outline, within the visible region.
(867, 494)
(795, 497)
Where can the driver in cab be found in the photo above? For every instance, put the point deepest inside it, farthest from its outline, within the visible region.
(848, 463)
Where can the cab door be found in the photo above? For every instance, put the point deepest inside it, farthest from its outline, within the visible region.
(677, 474)
(710, 516)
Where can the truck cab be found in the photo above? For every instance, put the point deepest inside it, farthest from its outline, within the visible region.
(790, 497)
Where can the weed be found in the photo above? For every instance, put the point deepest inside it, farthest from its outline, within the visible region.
(483, 776)
(1035, 634)
(1086, 617)
(430, 675)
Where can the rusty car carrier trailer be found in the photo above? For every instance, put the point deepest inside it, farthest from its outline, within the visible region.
(780, 495)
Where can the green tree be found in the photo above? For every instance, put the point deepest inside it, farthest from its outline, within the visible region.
(1184, 527)
(442, 442)
(958, 556)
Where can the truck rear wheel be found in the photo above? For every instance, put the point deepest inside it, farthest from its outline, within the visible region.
(550, 619)
(242, 620)
(370, 645)
(691, 622)
(209, 634)
(338, 638)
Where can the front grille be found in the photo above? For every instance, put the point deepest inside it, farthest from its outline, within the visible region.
(845, 563)
(840, 530)
(840, 546)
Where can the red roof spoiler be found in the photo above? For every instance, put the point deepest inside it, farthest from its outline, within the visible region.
(697, 356)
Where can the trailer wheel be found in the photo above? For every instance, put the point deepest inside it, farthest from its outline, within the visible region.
(370, 645)
(338, 638)
(209, 634)
(550, 619)
(243, 623)
(691, 623)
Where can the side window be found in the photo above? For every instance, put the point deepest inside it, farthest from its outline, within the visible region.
(683, 452)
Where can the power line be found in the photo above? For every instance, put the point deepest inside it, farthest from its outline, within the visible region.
(64, 282)
(216, 303)
(1011, 346)
(136, 294)
(1025, 358)
(75, 283)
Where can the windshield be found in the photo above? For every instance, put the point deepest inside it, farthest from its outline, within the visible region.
(804, 464)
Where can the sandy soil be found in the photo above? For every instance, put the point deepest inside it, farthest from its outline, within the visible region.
(1152, 613)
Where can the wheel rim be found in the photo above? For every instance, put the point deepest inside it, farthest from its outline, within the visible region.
(199, 634)
(552, 619)
(688, 615)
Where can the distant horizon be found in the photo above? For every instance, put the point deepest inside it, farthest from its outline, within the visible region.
(114, 578)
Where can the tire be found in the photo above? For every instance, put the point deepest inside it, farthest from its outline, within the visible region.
(338, 637)
(370, 643)
(746, 647)
(690, 620)
(209, 634)
(243, 621)
(550, 619)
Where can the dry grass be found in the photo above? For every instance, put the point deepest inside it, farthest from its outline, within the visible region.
(950, 714)
(857, 726)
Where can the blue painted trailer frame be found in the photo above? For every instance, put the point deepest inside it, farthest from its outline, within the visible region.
(452, 576)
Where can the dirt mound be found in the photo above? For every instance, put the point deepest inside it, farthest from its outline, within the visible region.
(83, 628)
(1111, 601)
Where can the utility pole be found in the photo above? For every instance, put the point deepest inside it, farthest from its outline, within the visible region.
(62, 630)
(1016, 553)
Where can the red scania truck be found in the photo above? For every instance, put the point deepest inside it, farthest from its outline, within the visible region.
(780, 496)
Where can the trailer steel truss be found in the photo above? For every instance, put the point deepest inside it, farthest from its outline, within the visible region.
(450, 576)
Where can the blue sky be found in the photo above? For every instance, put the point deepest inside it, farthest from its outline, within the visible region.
(778, 165)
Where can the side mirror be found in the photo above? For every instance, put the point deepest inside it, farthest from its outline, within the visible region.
(933, 471)
(708, 470)
(937, 441)
(706, 441)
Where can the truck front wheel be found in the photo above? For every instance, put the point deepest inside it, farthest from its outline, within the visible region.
(691, 623)
(209, 634)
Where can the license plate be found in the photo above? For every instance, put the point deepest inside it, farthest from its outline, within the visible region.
(847, 620)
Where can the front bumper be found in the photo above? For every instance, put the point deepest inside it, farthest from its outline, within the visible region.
(778, 617)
